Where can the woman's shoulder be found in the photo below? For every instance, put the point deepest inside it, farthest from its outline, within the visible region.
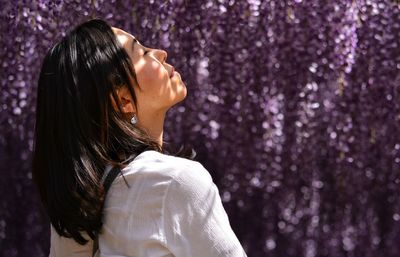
(156, 175)
(153, 163)
(182, 181)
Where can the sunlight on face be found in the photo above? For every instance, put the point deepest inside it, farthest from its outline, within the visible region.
(160, 86)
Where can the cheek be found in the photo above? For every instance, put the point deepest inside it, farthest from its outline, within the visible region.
(152, 78)
(155, 85)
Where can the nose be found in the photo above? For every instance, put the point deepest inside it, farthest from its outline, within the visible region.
(161, 55)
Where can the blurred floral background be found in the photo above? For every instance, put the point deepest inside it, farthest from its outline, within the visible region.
(293, 106)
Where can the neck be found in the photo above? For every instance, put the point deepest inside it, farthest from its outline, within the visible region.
(154, 126)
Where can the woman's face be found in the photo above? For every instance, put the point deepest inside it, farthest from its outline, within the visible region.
(160, 86)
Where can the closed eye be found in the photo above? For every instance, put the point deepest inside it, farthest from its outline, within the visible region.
(134, 42)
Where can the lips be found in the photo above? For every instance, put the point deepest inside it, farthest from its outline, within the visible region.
(172, 73)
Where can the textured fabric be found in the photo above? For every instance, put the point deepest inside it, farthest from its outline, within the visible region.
(171, 208)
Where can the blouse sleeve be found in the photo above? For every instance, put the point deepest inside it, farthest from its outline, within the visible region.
(67, 247)
(195, 221)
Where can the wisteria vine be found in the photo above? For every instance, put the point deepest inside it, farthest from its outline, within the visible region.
(293, 106)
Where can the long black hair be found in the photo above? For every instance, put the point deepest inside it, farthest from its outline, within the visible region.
(77, 131)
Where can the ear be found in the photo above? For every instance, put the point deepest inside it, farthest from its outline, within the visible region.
(125, 99)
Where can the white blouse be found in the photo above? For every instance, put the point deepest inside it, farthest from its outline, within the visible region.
(172, 208)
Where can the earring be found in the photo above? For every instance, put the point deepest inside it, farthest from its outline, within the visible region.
(134, 119)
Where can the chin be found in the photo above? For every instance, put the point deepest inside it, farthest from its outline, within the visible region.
(180, 93)
(180, 96)
(184, 90)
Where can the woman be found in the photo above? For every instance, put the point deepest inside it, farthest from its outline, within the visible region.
(102, 100)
